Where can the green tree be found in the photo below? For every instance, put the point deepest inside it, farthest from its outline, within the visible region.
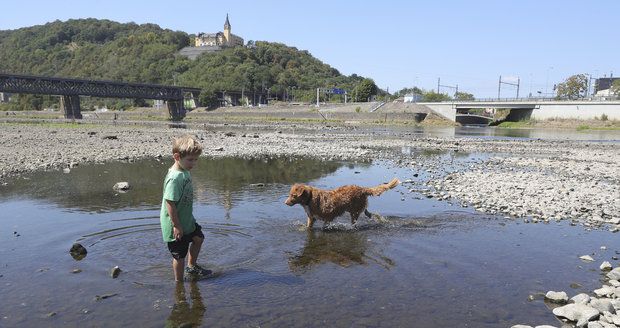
(615, 88)
(405, 91)
(432, 96)
(365, 90)
(573, 87)
(464, 96)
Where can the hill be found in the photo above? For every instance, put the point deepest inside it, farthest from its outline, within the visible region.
(146, 53)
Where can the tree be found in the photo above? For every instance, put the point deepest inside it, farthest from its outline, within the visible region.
(615, 88)
(464, 96)
(573, 87)
(432, 96)
(405, 91)
(365, 90)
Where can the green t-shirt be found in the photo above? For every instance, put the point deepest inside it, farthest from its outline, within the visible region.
(177, 188)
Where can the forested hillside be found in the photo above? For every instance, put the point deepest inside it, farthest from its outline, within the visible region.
(107, 50)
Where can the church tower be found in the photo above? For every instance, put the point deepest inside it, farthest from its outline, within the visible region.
(227, 34)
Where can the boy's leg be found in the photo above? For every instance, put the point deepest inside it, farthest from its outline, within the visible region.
(194, 250)
(177, 267)
(178, 249)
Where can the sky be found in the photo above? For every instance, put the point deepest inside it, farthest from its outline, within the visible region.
(397, 43)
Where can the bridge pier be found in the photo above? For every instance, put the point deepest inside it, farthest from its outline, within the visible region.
(71, 106)
(176, 109)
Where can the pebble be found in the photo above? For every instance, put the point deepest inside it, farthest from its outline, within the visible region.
(115, 272)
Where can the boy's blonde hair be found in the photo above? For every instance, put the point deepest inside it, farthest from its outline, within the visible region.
(186, 145)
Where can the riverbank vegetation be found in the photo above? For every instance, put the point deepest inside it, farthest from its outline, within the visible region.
(579, 125)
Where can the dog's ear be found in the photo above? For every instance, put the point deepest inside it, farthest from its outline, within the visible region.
(306, 192)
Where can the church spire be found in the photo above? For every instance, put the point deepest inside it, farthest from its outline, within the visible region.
(227, 23)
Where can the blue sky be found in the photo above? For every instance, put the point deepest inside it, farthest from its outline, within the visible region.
(398, 43)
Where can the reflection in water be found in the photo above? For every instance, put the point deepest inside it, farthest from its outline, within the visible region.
(342, 247)
(89, 187)
(183, 313)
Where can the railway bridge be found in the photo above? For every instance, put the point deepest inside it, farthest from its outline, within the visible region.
(70, 90)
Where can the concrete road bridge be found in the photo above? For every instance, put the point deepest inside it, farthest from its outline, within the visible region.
(70, 91)
(539, 109)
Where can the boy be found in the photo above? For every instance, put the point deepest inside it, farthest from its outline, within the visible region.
(178, 226)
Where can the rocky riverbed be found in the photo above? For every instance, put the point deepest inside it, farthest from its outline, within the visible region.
(531, 180)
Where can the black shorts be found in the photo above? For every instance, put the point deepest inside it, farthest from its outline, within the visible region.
(179, 248)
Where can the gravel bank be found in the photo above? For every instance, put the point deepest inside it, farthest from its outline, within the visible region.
(535, 180)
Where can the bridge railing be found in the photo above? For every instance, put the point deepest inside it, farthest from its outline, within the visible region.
(535, 99)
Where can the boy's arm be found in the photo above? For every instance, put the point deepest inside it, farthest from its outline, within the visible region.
(177, 230)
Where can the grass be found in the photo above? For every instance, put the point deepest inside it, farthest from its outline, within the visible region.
(519, 124)
(583, 127)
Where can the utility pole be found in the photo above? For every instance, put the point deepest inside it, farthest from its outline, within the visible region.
(317, 96)
(448, 86)
(499, 87)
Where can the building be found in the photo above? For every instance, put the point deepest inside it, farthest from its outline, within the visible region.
(219, 39)
(412, 97)
(604, 83)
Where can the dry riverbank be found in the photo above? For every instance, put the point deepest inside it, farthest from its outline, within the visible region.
(532, 179)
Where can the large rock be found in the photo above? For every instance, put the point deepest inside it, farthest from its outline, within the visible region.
(604, 291)
(605, 266)
(582, 298)
(580, 313)
(614, 274)
(556, 297)
(602, 305)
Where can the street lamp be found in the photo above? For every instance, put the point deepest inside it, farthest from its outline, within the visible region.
(547, 80)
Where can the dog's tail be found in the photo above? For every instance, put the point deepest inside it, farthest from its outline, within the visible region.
(378, 190)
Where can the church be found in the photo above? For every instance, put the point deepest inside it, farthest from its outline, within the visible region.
(219, 39)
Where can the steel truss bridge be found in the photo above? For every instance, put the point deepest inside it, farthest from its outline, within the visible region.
(70, 91)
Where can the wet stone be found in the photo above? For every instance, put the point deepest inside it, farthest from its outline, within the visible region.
(78, 252)
(115, 272)
(556, 297)
(121, 186)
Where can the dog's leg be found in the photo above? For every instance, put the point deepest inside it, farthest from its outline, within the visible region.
(368, 214)
(354, 217)
(310, 222)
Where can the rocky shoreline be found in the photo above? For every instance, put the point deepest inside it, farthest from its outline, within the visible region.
(534, 180)
(529, 180)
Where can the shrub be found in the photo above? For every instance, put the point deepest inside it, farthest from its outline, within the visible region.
(583, 127)
(358, 109)
(604, 117)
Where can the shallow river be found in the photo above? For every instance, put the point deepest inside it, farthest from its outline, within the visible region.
(429, 264)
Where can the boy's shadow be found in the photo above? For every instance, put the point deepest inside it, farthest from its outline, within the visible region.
(344, 248)
(183, 313)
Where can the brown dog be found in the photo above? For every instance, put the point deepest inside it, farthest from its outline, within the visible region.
(326, 205)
